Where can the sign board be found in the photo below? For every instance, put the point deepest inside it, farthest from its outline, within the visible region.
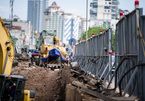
(72, 40)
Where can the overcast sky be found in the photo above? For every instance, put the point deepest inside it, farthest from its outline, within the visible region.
(76, 7)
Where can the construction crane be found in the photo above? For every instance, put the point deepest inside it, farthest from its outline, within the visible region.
(11, 6)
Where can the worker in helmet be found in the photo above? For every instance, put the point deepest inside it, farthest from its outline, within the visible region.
(9, 90)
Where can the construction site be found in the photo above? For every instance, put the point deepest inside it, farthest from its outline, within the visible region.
(87, 70)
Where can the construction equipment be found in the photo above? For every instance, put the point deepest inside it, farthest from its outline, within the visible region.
(6, 60)
(49, 51)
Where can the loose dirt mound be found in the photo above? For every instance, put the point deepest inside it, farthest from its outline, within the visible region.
(45, 83)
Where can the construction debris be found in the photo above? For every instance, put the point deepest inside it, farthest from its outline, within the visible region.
(68, 84)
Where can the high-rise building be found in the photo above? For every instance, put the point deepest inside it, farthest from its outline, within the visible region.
(53, 20)
(71, 28)
(82, 27)
(63, 25)
(35, 13)
(103, 12)
(93, 9)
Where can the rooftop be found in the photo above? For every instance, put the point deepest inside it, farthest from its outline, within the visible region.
(13, 27)
(54, 5)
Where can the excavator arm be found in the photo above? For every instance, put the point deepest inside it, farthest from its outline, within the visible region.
(6, 50)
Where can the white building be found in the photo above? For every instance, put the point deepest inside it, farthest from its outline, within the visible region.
(53, 20)
(103, 12)
(35, 13)
(21, 32)
(71, 28)
(26, 28)
(63, 25)
(17, 36)
(82, 26)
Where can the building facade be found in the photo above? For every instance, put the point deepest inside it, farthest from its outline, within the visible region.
(82, 27)
(103, 12)
(71, 28)
(35, 13)
(63, 25)
(26, 28)
(53, 20)
(21, 32)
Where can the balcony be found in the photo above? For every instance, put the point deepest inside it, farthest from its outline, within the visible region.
(107, 7)
(93, 11)
(93, 4)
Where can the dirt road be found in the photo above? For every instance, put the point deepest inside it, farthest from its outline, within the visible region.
(45, 83)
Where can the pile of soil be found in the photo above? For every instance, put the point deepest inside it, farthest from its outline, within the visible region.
(45, 83)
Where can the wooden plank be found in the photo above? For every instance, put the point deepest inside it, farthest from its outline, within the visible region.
(73, 71)
(93, 93)
(70, 93)
(132, 98)
(96, 94)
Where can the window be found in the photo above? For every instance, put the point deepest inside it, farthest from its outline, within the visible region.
(95, 6)
(107, 7)
(19, 91)
(109, 2)
(114, 3)
(48, 40)
(113, 10)
(108, 10)
(105, 2)
(113, 7)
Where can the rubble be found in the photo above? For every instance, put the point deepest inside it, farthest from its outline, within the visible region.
(67, 84)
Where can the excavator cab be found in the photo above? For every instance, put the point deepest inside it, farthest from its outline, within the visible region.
(17, 92)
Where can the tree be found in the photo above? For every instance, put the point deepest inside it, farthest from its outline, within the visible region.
(95, 30)
(113, 42)
(13, 40)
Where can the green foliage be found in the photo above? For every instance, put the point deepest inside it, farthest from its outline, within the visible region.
(113, 42)
(95, 30)
(13, 40)
(35, 33)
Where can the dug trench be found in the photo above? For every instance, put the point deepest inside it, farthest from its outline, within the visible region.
(65, 84)
(48, 85)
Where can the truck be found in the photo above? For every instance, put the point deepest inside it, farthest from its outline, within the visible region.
(6, 59)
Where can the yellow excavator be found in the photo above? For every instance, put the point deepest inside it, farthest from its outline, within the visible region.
(49, 52)
(6, 60)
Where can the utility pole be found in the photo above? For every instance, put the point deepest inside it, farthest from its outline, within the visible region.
(11, 14)
(33, 22)
(86, 31)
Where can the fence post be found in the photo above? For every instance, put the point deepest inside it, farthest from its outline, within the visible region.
(110, 50)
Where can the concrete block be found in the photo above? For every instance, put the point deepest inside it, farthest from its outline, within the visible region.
(70, 93)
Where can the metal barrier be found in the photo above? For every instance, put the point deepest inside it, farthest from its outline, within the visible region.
(97, 59)
(129, 51)
(129, 55)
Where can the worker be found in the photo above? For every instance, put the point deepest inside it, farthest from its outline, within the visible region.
(9, 90)
(30, 55)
